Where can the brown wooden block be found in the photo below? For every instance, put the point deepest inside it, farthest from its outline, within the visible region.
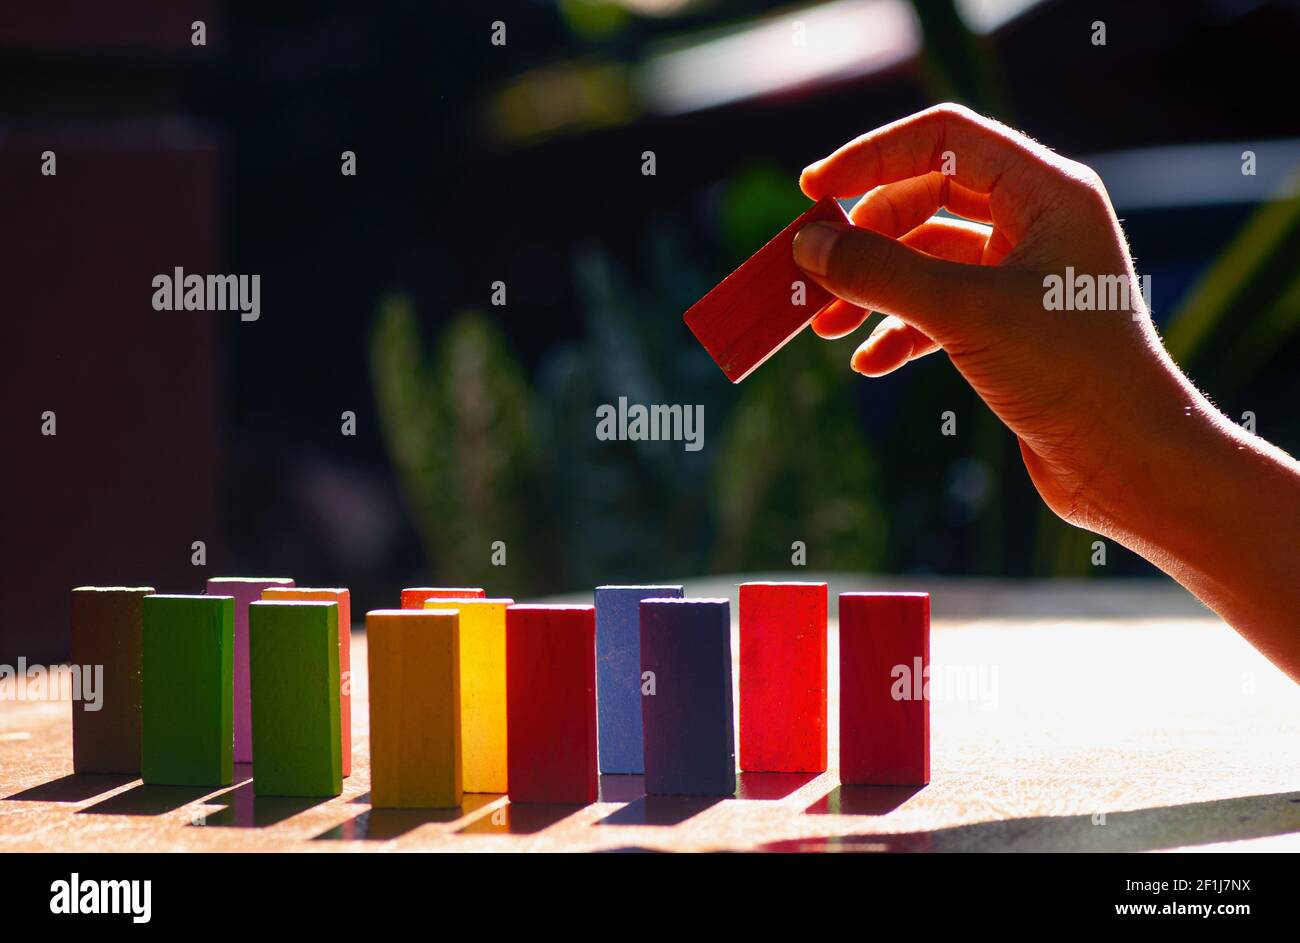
(106, 623)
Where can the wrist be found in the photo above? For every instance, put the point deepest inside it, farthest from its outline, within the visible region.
(1218, 509)
(1157, 453)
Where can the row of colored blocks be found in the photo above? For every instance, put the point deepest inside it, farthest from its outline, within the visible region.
(183, 674)
(482, 695)
(664, 672)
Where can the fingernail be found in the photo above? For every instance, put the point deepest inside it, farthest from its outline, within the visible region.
(812, 247)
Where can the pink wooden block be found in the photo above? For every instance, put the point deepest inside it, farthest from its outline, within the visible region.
(245, 591)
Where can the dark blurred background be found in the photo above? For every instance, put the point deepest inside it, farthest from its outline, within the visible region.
(521, 164)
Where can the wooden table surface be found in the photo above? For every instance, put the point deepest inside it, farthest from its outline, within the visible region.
(1093, 717)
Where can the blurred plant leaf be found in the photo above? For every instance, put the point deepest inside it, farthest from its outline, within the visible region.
(594, 19)
(792, 464)
(959, 65)
(759, 202)
(631, 510)
(1247, 304)
(460, 432)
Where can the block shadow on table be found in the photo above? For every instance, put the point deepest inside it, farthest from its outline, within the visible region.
(245, 809)
(1175, 826)
(147, 799)
(154, 799)
(75, 787)
(768, 787)
(640, 809)
(660, 810)
(863, 800)
(516, 818)
(387, 824)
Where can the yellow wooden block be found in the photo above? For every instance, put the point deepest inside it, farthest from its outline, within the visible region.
(414, 663)
(482, 690)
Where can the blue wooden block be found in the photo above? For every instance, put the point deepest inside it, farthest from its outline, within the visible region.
(689, 734)
(618, 673)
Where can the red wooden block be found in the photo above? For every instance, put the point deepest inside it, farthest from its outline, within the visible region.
(752, 313)
(884, 711)
(783, 677)
(415, 596)
(551, 704)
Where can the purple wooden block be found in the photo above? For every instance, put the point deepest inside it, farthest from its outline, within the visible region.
(689, 733)
(245, 591)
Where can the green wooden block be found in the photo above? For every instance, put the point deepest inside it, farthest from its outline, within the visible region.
(187, 730)
(294, 678)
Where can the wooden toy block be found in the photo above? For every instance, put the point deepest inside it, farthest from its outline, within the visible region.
(415, 597)
(551, 704)
(186, 711)
(344, 601)
(413, 657)
(783, 677)
(106, 629)
(884, 713)
(756, 310)
(482, 691)
(686, 710)
(243, 591)
(618, 673)
(293, 652)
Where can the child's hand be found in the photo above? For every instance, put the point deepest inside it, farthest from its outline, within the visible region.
(1115, 438)
(1075, 386)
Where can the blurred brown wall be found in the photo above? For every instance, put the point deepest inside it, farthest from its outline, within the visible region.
(132, 477)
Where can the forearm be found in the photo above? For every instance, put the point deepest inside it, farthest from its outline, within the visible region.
(1218, 509)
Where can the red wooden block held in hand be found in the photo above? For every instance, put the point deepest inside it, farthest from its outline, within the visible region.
(755, 311)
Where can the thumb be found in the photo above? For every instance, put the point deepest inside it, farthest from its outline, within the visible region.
(878, 273)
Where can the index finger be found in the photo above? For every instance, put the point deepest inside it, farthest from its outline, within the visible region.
(978, 153)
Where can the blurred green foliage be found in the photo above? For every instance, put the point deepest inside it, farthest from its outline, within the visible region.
(460, 432)
(959, 65)
(757, 202)
(483, 455)
(1256, 275)
(594, 19)
(793, 464)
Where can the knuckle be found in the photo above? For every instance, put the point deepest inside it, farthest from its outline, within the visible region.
(1081, 174)
(951, 110)
(1083, 186)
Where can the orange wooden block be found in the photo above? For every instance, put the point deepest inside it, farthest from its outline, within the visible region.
(413, 656)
